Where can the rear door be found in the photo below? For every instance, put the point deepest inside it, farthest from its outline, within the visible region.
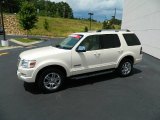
(110, 50)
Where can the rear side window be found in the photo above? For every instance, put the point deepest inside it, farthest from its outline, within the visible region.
(131, 39)
(109, 41)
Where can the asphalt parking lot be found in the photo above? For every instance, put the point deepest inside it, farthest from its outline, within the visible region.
(105, 97)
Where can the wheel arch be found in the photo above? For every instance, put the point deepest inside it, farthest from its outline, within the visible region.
(130, 57)
(51, 66)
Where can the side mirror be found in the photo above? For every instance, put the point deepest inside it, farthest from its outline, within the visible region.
(81, 49)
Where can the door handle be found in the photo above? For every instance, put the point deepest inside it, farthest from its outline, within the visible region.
(99, 54)
(120, 51)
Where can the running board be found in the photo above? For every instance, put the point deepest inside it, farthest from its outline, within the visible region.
(93, 74)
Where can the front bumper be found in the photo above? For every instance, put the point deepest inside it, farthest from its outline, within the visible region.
(26, 76)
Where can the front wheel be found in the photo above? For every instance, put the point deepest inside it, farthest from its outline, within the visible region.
(50, 80)
(125, 67)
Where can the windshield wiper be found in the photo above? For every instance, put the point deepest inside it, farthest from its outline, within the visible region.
(63, 47)
(57, 46)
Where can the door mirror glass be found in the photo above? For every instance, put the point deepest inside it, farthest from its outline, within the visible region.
(81, 49)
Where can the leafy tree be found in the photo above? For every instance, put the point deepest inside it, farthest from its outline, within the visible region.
(110, 24)
(27, 16)
(63, 10)
(106, 25)
(52, 9)
(11, 6)
(45, 8)
(85, 29)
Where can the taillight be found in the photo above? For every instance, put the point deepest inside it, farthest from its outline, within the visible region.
(141, 52)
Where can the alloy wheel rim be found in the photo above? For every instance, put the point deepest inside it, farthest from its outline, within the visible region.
(126, 68)
(52, 81)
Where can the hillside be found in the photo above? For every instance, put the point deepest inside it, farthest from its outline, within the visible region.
(58, 27)
(62, 27)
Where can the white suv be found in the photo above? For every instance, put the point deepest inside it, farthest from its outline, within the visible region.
(79, 54)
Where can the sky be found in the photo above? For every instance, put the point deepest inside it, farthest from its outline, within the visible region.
(102, 9)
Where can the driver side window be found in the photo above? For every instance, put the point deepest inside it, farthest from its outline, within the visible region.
(91, 43)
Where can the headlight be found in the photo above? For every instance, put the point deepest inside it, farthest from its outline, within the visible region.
(28, 63)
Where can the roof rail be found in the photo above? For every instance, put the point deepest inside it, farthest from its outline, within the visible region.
(90, 31)
(114, 30)
(123, 30)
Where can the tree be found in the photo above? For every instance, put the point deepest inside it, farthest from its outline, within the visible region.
(27, 16)
(85, 29)
(11, 6)
(44, 7)
(64, 10)
(106, 25)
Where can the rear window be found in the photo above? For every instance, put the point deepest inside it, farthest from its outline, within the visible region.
(131, 39)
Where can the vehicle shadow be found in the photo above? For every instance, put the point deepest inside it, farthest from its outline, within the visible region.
(32, 88)
(71, 83)
(93, 80)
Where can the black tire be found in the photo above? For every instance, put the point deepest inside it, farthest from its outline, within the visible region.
(50, 80)
(125, 68)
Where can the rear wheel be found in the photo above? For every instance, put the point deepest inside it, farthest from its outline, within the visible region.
(50, 80)
(125, 67)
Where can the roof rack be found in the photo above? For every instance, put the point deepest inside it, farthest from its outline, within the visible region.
(123, 30)
(90, 31)
(114, 30)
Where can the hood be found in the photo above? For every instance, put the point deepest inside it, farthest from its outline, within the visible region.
(33, 54)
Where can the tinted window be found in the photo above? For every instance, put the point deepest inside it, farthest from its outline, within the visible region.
(110, 41)
(91, 43)
(131, 39)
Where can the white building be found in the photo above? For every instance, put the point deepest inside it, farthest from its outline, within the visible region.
(143, 17)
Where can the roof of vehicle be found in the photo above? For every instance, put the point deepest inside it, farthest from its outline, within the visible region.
(104, 32)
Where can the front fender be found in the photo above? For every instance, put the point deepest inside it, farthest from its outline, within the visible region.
(49, 63)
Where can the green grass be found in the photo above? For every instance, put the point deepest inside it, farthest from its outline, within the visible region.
(2, 46)
(59, 27)
(117, 27)
(27, 40)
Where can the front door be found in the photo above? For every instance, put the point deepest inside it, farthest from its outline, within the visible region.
(88, 61)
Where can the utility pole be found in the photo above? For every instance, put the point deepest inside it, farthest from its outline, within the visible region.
(64, 12)
(114, 16)
(90, 14)
(115, 13)
(46, 12)
(1, 10)
(64, 9)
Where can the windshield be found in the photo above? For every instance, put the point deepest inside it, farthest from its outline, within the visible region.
(69, 42)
